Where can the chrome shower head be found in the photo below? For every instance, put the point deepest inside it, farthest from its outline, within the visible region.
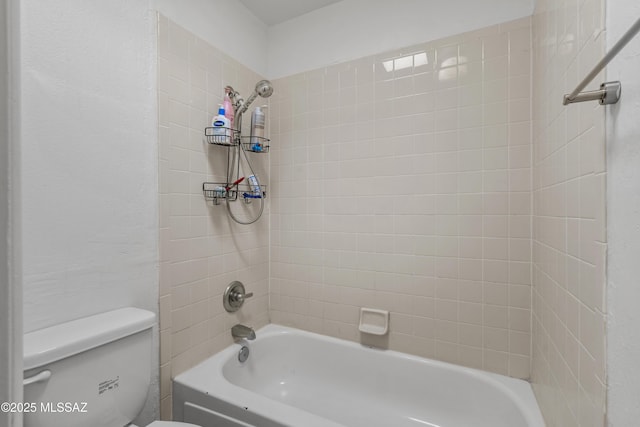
(264, 88)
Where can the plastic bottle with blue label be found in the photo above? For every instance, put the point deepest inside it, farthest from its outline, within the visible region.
(221, 127)
(255, 187)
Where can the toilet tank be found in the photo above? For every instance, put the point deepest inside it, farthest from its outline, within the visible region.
(93, 371)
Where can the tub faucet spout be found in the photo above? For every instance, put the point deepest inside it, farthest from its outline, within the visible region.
(242, 331)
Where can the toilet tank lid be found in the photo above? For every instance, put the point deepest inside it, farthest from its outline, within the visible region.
(57, 342)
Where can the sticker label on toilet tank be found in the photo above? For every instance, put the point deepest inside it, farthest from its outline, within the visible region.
(109, 385)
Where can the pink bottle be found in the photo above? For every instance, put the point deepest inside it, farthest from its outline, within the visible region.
(228, 107)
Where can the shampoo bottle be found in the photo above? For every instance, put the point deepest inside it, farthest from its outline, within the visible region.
(257, 129)
(228, 107)
(221, 127)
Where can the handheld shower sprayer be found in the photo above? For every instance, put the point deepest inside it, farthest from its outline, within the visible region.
(264, 88)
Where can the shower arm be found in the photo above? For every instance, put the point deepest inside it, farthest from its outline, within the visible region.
(245, 105)
(263, 88)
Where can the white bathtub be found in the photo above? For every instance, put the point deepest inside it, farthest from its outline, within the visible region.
(301, 379)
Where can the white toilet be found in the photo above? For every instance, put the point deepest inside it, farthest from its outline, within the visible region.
(93, 371)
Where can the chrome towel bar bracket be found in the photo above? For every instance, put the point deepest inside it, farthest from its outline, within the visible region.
(609, 92)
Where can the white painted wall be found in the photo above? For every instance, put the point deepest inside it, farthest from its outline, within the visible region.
(226, 24)
(89, 175)
(89, 160)
(623, 222)
(340, 32)
(352, 29)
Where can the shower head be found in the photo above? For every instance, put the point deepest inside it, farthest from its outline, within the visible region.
(264, 88)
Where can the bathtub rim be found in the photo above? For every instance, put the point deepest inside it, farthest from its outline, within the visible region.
(518, 391)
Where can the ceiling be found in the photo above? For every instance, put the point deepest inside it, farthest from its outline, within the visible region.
(273, 12)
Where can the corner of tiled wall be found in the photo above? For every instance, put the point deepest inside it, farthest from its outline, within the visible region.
(569, 241)
(201, 249)
(402, 182)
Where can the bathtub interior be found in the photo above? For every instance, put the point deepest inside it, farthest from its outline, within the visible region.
(331, 380)
(347, 384)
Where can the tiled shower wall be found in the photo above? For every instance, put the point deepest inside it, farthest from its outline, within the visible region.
(403, 182)
(569, 240)
(201, 249)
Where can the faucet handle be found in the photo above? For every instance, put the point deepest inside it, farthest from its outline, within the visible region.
(245, 296)
(239, 297)
(234, 296)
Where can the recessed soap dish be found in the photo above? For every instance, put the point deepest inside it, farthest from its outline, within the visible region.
(374, 322)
